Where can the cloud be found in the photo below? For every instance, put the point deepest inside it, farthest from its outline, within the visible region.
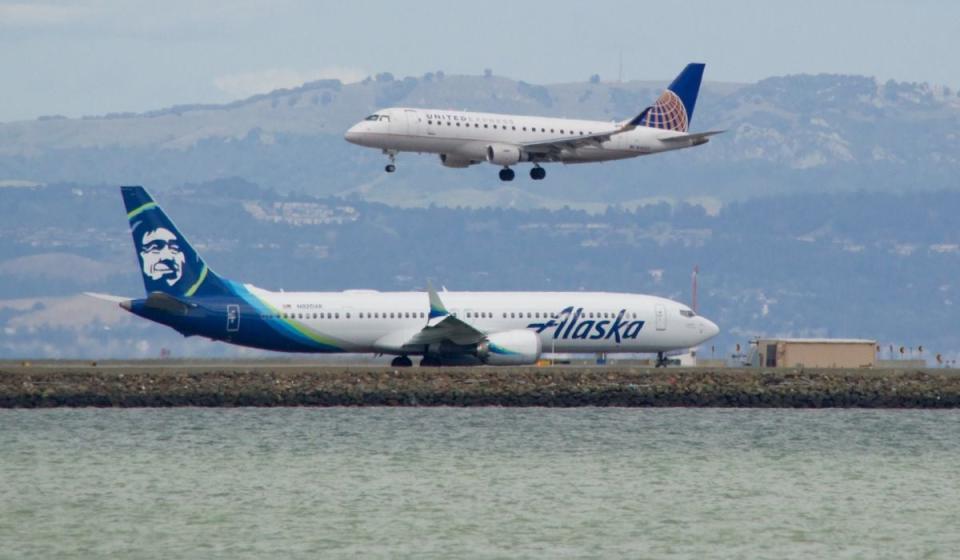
(251, 83)
(36, 14)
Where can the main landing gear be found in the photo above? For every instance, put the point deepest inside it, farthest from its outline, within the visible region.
(401, 361)
(391, 167)
(537, 173)
(430, 361)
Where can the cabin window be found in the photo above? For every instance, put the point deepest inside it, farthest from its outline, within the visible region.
(513, 128)
(543, 130)
(458, 124)
(494, 126)
(429, 122)
(581, 133)
(348, 315)
(486, 126)
(448, 123)
(634, 315)
(314, 315)
(551, 131)
(524, 129)
(561, 131)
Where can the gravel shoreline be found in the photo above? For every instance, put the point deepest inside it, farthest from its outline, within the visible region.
(132, 384)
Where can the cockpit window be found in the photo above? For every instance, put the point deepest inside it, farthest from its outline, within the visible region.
(687, 313)
(372, 118)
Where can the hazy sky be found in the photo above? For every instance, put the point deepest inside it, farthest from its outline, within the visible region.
(76, 58)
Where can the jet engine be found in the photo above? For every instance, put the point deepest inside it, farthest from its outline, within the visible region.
(503, 154)
(452, 161)
(510, 348)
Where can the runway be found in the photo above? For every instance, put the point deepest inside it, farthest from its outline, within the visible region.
(293, 383)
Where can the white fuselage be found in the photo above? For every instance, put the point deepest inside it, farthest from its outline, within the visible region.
(464, 138)
(380, 322)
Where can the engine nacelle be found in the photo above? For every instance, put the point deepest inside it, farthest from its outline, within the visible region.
(503, 154)
(510, 348)
(452, 161)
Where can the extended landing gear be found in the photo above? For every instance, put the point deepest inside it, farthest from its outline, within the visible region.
(429, 361)
(538, 173)
(401, 361)
(661, 360)
(507, 174)
(391, 167)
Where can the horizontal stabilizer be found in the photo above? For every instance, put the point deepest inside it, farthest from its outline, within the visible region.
(107, 297)
(694, 139)
(168, 303)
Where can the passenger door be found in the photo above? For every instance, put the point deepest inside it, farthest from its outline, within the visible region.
(414, 122)
(660, 315)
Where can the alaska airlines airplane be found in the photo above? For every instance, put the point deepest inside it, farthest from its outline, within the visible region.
(463, 328)
(463, 139)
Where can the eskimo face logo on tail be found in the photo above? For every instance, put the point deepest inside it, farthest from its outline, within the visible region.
(161, 256)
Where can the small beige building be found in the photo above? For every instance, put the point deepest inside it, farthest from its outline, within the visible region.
(815, 352)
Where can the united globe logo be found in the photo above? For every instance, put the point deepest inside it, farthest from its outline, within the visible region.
(668, 113)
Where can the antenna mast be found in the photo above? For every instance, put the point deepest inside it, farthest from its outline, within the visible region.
(696, 272)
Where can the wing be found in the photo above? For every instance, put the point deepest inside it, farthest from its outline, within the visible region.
(442, 326)
(554, 146)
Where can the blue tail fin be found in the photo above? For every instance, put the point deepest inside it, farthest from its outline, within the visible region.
(673, 110)
(168, 262)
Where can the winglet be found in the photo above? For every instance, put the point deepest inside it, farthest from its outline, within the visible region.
(437, 309)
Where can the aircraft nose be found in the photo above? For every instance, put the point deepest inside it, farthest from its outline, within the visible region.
(353, 134)
(710, 329)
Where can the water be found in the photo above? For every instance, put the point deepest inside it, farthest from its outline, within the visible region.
(479, 483)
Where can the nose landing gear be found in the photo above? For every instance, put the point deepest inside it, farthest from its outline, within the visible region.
(538, 173)
(507, 174)
(391, 167)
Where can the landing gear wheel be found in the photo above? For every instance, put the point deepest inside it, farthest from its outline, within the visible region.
(429, 362)
(661, 360)
(507, 174)
(401, 361)
(390, 168)
(538, 173)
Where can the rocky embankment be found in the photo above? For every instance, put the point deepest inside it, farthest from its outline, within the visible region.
(237, 384)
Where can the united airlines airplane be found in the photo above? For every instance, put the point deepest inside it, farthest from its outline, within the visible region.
(496, 328)
(463, 139)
